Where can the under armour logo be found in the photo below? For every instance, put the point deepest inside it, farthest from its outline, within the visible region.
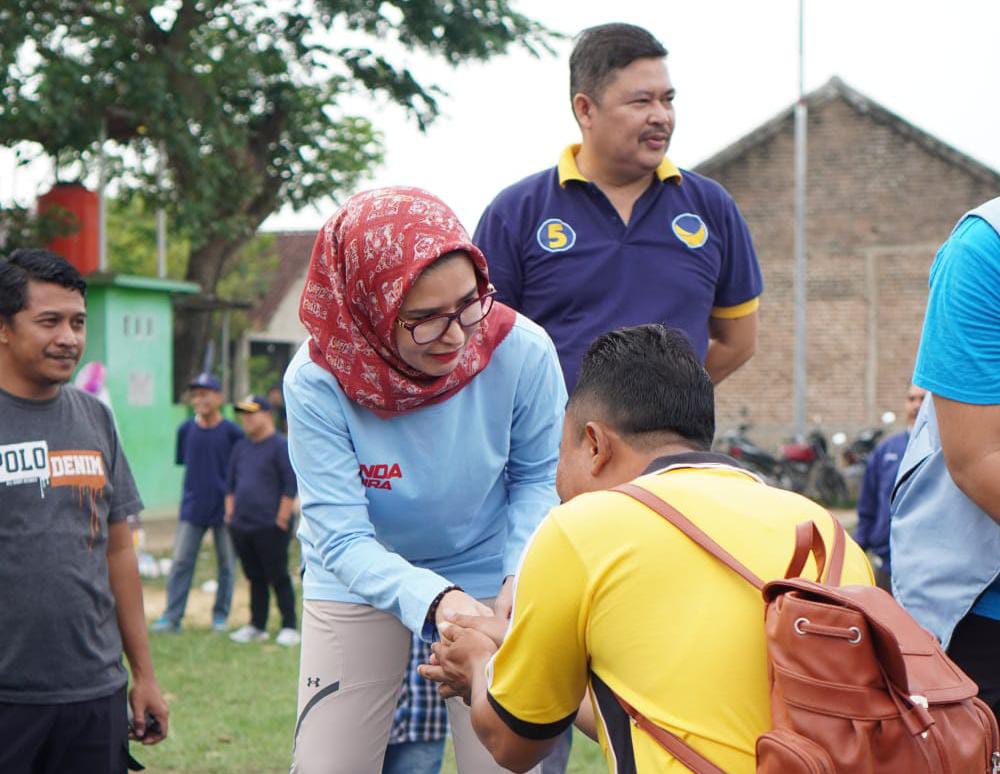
(312, 682)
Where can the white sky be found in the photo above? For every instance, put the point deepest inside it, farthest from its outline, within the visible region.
(733, 62)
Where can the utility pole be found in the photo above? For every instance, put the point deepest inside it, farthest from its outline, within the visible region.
(102, 206)
(161, 214)
(801, 114)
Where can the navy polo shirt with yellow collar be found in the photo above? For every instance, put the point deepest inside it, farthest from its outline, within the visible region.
(561, 255)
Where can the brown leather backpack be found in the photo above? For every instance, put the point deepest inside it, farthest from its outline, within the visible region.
(857, 685)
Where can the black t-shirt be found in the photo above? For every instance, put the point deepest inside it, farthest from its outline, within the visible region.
(260, 474)
(63, 478)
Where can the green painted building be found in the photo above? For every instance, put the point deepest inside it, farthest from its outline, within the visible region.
(130, 323)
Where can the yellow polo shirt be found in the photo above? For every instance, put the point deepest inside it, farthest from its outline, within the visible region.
(612, 596)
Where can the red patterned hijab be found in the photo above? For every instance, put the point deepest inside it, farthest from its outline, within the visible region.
(365, 260)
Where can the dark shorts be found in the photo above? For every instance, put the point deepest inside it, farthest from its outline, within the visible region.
(85, 737)
(975, 647)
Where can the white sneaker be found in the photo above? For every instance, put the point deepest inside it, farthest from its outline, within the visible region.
(288, 637)
(248, 633)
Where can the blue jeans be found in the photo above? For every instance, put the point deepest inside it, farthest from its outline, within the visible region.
(558, 759)
(414, 757)
(187, 542)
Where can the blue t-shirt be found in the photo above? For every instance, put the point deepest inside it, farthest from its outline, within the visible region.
(560, 254)
(395, 510)
(959, 355)
(875, 497)
(260, 474)
(204, 452)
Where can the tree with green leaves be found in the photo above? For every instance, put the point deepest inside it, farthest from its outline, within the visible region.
(241, 99)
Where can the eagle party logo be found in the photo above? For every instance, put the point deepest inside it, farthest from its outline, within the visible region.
(690, 229)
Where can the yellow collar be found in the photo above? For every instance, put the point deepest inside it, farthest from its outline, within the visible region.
(568, 170)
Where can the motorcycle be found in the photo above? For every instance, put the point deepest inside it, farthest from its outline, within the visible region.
(737, 445)
(807, 467)
(855, 454)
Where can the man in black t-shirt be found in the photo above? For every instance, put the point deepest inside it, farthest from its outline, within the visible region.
(70, 596)
(260, 494)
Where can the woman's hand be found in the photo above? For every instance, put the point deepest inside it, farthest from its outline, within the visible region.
(457, 602)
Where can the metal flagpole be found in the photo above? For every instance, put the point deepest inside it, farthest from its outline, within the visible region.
(801, 115)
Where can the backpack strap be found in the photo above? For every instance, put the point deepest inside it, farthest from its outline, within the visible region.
(681, 522)
(672, 743)
(836, 566)
(808, 540)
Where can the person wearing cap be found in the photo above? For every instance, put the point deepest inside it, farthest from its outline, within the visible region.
(260, 495)
(424, 424)
(616, 234)
(204, 446)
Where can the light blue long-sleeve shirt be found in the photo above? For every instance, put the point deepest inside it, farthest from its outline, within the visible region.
(396, 510)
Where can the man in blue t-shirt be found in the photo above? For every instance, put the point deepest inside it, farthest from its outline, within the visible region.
(616, 235)
(204, 445)
(260, 495)
(872, 533)
(945, 530)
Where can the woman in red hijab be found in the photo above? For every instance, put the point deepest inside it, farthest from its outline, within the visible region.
(424, 425)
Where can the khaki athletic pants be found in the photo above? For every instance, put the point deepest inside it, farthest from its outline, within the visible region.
(353, 661)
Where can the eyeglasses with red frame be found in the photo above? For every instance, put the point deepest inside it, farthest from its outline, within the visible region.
(430, 329)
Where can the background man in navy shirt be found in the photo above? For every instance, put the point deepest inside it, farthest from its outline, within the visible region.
(872, 532)
(204, 445)
(260, 495)
(616, 235)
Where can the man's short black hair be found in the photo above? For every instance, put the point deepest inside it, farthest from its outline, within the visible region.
(601, 50)
(647, 383)
(38, 265)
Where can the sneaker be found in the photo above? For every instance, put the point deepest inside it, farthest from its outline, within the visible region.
(219, 624)
(288, 637)
(248, 633)
(164, 625)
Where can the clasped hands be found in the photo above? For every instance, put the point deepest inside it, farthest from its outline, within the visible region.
(470, 633)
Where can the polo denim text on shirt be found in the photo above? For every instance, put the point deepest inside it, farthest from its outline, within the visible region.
(560, 254)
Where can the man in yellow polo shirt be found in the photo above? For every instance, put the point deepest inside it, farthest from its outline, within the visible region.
(611, 597)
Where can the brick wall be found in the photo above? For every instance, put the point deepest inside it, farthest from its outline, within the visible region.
(879, 204)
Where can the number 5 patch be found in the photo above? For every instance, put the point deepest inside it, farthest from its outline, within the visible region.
(556, 236)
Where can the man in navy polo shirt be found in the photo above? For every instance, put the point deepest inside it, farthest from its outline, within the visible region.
(616, 235)
(204, 445)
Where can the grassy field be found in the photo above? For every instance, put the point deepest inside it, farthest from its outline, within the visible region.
(232, 707)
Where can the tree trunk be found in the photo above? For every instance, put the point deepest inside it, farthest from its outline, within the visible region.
(193, 328)
(206, 266)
